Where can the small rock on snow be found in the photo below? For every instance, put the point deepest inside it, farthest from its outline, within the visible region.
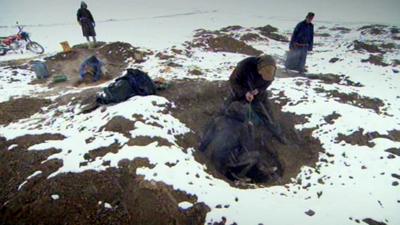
(310, 212)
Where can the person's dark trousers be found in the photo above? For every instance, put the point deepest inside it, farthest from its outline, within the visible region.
(296, 59)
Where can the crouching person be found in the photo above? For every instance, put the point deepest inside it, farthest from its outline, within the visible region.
(91, 69)
(249, 81)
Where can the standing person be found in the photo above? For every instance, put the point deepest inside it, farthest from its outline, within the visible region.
(249, 81)
(301, 42)
(85, 19)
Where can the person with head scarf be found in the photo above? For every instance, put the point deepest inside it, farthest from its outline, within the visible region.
(86, 20)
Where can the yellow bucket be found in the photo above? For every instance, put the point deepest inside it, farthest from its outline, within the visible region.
(65, 46)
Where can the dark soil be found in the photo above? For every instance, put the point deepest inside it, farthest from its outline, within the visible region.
(326, 78)
(371, 48)
(374, 29)
(119, 124)
(333, 60)
(330, 119)
(370, 221)
(229, 44)
(375, 60)
(341, 29)
(198, 101)
(82, 196)
(20, 108)
(271, 32)
(251, 37)
(364, 139)
(356, 100)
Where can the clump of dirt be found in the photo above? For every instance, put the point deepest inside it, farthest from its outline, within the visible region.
(271, 32)
(326, 78)
(20, 108)
(355, 99)
(322, 35)
(371, 48)
(198, 101)
(388, 46)
(114, 196)
(229, 44)
(375, 60)
(330, 119)
(102, 151)
(231, 28)
(370, 221)
(146, 140)
(333, 60)
(374, 29)
(251, 37)
(364, 139)
(343, 30)
(119, 124)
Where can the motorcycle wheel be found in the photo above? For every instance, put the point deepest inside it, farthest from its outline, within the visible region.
(35, 47)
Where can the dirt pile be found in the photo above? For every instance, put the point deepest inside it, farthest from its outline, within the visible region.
(232, 39)
(229, 44)
(374, 29)
(199, 101)
(272, 33)
(375, 60)
(114, 55)
(114, 196)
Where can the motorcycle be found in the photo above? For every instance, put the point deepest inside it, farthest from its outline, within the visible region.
(19, 41)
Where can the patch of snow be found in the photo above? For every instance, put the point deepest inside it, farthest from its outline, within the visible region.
(185, 205)
(12, 147)
(55, 197)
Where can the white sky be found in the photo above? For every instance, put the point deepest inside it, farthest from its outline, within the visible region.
(63, 11)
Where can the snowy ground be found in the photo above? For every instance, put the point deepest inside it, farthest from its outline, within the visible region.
(349, 183)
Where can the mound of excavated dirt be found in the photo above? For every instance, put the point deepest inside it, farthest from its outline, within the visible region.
(113, 55)
(271, 32)
(229, 44)
(197, 102)
(114, 196)
(20, 108)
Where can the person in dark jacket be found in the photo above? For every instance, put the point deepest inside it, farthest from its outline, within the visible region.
(249, 81)
(85, 19)
(301, 42)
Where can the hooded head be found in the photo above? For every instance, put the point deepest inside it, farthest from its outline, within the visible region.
(266, 67)
(83, 5)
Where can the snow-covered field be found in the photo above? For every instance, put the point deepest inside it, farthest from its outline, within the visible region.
(349, 183)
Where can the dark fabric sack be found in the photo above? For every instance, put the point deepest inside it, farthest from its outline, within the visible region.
(134, 82)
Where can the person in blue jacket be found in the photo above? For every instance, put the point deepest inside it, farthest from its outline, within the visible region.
(301, 42)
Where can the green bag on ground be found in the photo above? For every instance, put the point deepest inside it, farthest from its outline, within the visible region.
(60, 78)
